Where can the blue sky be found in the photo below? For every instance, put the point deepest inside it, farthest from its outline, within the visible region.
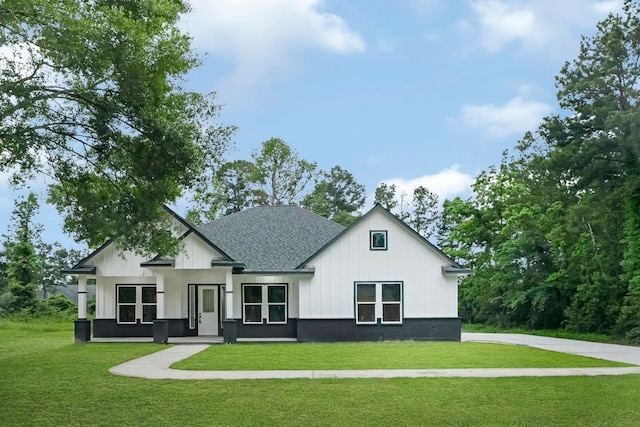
(410, 92)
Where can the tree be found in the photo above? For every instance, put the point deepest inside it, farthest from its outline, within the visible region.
(54, 259)
(282, 175)
(385, 196)
(337, 195)
(232, 189)
(598, 144)
(425, 211)
(553, 233)
(23, 267)
(90, 94)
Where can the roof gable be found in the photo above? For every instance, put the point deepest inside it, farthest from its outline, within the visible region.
(403, 225)
(271, 238)
(86, 265)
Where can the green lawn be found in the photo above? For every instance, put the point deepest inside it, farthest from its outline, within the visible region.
(398, 355)
(46, 380)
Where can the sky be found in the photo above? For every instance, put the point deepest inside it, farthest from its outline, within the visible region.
(407, 92)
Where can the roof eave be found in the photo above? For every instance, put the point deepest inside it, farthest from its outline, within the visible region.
(158, 263)
(458, 271)
(297, 272)
(84, 269)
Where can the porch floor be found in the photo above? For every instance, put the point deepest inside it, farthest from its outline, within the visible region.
(206, 339)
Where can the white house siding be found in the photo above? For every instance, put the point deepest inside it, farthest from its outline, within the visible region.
(196, 254)
(292, 291)
(329, 294)
(112, 262)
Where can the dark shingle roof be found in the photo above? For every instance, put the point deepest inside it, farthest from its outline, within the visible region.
(271, 238)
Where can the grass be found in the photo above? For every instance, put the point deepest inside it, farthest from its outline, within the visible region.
(404, 355)
(45, 380)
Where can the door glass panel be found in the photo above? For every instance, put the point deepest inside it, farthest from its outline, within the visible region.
(223, 303)
(192, 307)
(208, 300)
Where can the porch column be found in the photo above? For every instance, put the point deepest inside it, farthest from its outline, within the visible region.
(229, 294)
(160, 325)
(82, 326)
(230, 330)
(159, 296)
(82, 297)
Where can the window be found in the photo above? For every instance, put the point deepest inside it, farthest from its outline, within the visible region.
(252, 301)
(136, 302)
(264, 302)
(193, 312)
(378, 300)
(378, 240)
(366, 302)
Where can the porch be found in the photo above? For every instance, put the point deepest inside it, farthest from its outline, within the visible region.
(193, 340)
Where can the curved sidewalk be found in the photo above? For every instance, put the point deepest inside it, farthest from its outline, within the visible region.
(157, 365)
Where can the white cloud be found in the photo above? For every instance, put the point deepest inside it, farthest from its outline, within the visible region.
(513, 118)
(261, 35)
(447, 184)
(606, 7)
(500, 24)
(544, 26)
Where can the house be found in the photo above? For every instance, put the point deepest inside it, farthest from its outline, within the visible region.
(278, 272)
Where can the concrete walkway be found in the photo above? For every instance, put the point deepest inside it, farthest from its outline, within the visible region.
(157, 365)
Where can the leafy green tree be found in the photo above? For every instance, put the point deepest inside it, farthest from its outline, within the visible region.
(385, 195)
(90, 94)
(23, 266)
(598, 146)
(232, 189)
(552, 234)
(424, 217)
(3, 273)
(281, 174)
(337, 195)
(54, 259)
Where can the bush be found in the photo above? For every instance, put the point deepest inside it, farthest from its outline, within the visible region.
(91, 305)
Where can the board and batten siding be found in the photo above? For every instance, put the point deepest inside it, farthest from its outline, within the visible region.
(329, 294)
(196, 254)
(112, 262)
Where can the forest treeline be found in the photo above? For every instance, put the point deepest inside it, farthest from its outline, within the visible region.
(553, 232)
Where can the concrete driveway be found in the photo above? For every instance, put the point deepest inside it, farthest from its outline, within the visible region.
(157, 365)
(613, 352)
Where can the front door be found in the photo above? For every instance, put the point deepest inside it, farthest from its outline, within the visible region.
(208, 310)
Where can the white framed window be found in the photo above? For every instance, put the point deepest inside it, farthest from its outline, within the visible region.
(262, 302)
(136, 303)
(378, 240)
(378, 300)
